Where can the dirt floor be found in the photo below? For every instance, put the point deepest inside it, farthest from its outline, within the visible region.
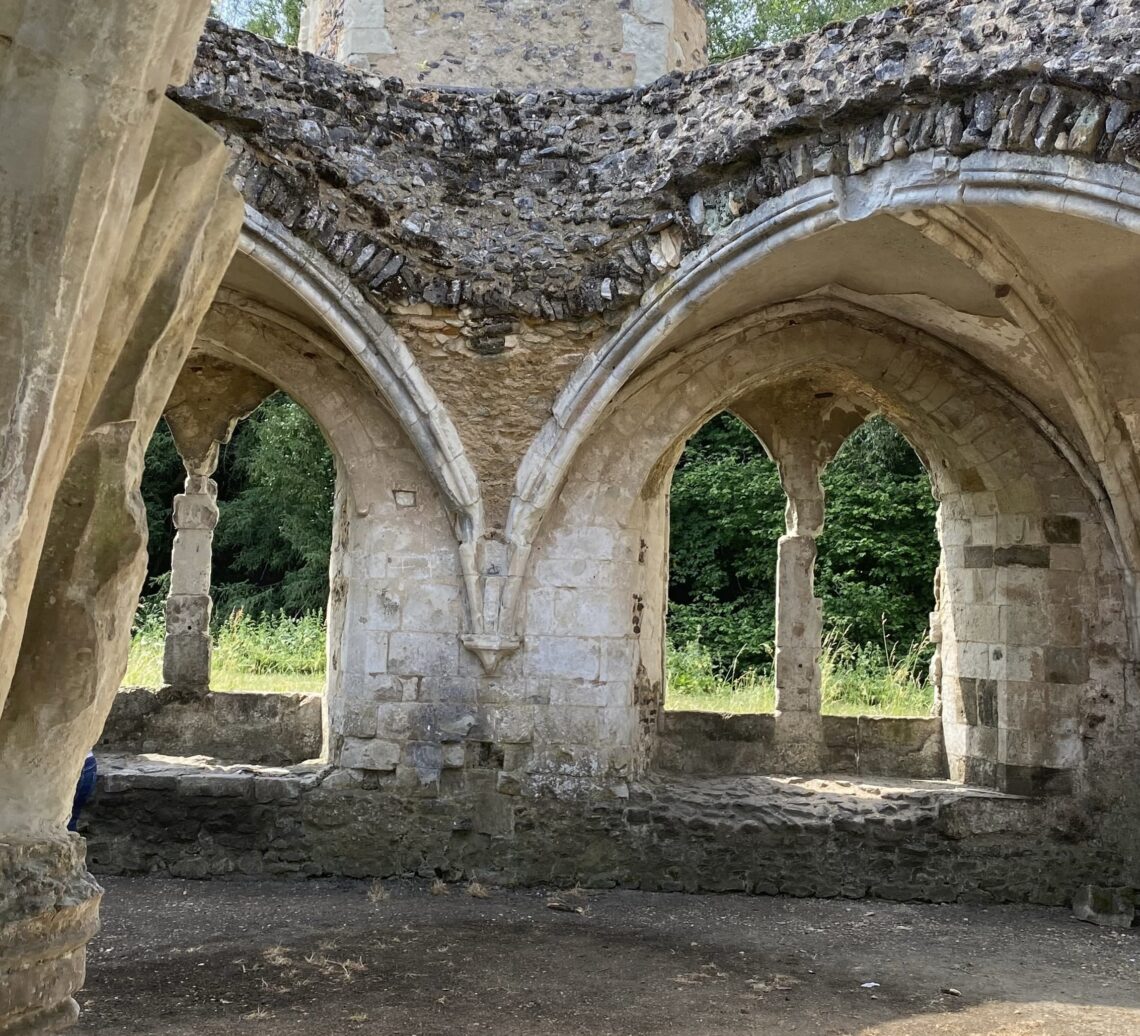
(183, 958)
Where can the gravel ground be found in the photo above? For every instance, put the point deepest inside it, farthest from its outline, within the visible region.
(181, 958)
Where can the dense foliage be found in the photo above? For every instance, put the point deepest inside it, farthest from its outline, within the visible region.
(877, 555)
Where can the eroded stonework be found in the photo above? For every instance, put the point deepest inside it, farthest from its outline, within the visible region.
(560, 203)
(507, 312)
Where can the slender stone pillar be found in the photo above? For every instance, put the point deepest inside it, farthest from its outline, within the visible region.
(186, 657)
(799, 618)
(802, 426)
(205, 405)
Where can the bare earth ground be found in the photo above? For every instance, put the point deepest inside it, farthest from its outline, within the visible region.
(183, 958)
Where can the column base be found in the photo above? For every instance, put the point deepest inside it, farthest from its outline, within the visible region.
(49, 910)
(799, 746)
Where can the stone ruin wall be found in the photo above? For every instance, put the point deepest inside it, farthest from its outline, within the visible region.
(531, 210)
(512, 44)
(429, 252)
(532, 224)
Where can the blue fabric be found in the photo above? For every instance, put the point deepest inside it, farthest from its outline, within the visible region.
(84, 790)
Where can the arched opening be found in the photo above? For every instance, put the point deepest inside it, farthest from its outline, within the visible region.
(874, 573)
(1013, 513)
(392, 575)
(228, 654)
(726, 514)
(276, 483)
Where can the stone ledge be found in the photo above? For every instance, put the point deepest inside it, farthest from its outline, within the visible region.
(710, 744)
(276, 728)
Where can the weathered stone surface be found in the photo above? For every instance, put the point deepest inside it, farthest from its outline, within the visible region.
(517, 43)
(93, 157)
(208, 399)
(49, 909)
(1111, 907)
(928, 842)
(507, 312)
(709, 744)
(93, 561)
(115, 226)
(277, 729)
(587, 203)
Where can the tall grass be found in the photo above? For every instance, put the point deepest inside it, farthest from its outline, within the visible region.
(856, 679)
(284, 653)
(692, 683)
(270, 653)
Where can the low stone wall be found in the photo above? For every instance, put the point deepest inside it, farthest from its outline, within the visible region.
(928, 841)
(708, 744)
(277, 729)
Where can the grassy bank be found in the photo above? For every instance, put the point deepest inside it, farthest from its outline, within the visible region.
(272, 653)
(280, 653)
(858, 680)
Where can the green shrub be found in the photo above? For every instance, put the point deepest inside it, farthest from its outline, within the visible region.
(270, 644)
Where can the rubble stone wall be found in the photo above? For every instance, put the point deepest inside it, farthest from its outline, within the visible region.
(610, 189)
(705, 743)
(276, 729)
(760, 835)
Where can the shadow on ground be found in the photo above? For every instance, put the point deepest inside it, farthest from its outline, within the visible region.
(180, 958)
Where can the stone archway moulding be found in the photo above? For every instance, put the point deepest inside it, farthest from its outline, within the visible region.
(1073, 186)
(393, 369)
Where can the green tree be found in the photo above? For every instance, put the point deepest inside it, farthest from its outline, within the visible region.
(278, 19)
(726, 512)
(879, 549)
(737, 25)
(275, 487)
(163, 478)
(276, 482)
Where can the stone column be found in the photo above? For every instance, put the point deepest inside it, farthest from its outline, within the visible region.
(799, 618)
(802, 425)
(209, 398)
(186, 656)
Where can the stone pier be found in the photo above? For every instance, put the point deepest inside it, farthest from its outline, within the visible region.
(189, 606)
(209, 398)
(799, 626)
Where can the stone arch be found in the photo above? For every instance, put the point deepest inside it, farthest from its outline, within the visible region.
(904, 189)
(331, 295)
(394, 550)
(1010, 498)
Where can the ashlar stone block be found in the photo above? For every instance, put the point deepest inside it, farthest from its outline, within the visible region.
(371, 754)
